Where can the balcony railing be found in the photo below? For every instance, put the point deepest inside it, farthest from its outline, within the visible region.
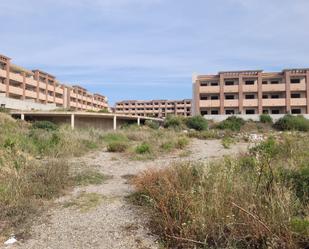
(299, 102)
(209, 103)
(273, 102)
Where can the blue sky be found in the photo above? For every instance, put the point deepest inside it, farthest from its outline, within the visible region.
(148, 49)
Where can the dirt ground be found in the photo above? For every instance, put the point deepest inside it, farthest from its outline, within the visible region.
(112, 223)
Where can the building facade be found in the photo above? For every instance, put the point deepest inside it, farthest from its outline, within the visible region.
(251, 92)
(154, 108)
(36, 86)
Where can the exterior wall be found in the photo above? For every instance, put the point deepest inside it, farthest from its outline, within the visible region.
(252, 92)
(154, 108)
(254, 117)
(22, 84)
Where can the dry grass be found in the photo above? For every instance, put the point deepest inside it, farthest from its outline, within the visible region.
(243, 203)
(84, 202)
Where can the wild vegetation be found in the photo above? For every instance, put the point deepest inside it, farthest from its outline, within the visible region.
(258, 200)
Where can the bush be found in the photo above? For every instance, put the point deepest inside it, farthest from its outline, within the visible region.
(44, 125)
(232, 123)
(181, 143)
(197, 123)
(266, 118)
(290, 122)
(143, 148)
(152, 124)
(172, 121)
(117, 146)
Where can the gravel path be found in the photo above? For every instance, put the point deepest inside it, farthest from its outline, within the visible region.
(113, 223)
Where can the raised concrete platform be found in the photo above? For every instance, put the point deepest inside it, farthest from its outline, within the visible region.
(104, 121)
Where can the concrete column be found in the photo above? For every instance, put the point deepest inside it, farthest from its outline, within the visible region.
(54, 94)
(7, 80)
(36, 76)
(307, 92)
(138, 121)
(115, 122)
(72, 121)
(22, 116)
(260, 94)
(24, 86)
(241, 94)
(46, 90)
(288, 91)
(221, 94)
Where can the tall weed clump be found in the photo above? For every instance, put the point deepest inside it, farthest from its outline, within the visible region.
(198, 123)
(290, 122)
(232, 203)
(232, 123)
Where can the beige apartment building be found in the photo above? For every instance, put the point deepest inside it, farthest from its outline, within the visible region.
(154, 108)
(251, 92)
(36, 86)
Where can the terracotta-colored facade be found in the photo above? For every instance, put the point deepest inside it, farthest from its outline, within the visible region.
(41, 87)
(154, 108)
(251, 92)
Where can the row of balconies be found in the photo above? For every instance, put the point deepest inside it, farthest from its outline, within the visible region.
(253, 88)
(253, 102)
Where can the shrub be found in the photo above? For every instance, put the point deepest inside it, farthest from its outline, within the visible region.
(143, 148)
(197, 123)
(172, 121)
(117, 146)
(232, 123)
(227, 142)
(181, 142)
(290, 122)
(152, 124)
(45, 125)
(104, 110)
(266, 118)
(113, 137)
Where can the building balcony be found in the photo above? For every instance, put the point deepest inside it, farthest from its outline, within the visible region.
(16, 90)
(299, 102)
(59, 100)
(250, 88)
(50, 88)
(231, 89)
(274, 102)
(50, 98)
(209, 89)
(31, 94)
(2, 73)
(16, 77)
(298, 87)
(250, 102)
(42, 85)
(210, 103)
(273, 88)
(31, 82)
(2, 87)
(59, 90)
(42, 96)
(231, 102)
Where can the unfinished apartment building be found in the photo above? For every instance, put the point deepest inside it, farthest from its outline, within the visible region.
(17, 83)
(154, 108)
(252, 92)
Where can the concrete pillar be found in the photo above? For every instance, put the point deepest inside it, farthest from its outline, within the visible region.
(241, 94)
(260, 93)
(22, 116)
(288, 91)
(221, 94)
(36, 76)
(24, 85)
(7, 80)
(115, 122)
(307, 90)
(138, 121)
(72, 121)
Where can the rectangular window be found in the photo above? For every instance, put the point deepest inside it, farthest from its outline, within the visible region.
(264, 82)
(215, 97)
(296, 111)
(295, 95)
(274, 96)
(214, 83)
(229, 83)
(229, 112)
(249, 82)
(203, 97)
(203, 83)
(295, 81)
(274, 82)
(275, 111)
(204, 113)
(249, 96)
(250, 111)
(214, 112)
(229, 97)
(265, 96)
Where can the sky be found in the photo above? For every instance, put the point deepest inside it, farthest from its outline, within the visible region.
(149, 49)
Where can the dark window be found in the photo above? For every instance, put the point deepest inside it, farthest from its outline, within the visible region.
(214, 97)
(276, 111)
(214, 83)
(228, 112)
(204, 84)
(265, 111)
(249, 82)
(214, 112)
(229, 97)
(275, 96)
(274, 82)
(264, 82)
(295, 95)
(265, 96)
(229, 83)
(204, 112)
(203, 97)
(250, 111)
(295, 81)
(296, 111)
(250, 96)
